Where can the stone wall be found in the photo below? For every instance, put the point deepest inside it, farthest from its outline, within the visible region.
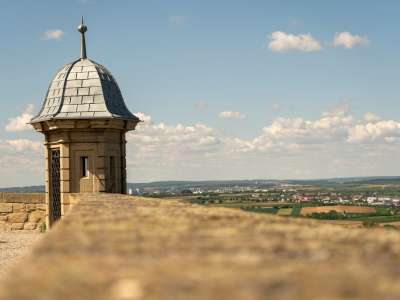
(120, 247)
(22, 211)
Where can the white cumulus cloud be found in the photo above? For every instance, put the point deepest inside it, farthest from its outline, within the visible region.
(348, 40)
(20, 123)
(380, 131)
(231, 115)
(21, 145)
(371, 117)
(334, 144)
(52, 34)
(280, 41)
(21, 162)
(285, 148)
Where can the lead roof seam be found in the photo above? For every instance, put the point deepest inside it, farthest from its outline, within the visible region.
(102, 90)
(120, 94)
(64, 88)
(45, 99)
(97, 66)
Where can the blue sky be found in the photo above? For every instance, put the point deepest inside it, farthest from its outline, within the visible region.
(186, 62)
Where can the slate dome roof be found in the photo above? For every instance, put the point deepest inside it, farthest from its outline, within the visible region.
(83, 89)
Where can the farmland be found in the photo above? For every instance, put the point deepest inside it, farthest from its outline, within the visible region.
(355, 214)
(337, 208)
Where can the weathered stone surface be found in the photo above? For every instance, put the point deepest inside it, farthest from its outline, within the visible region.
(19, 207)
(41, 207)
(30, 226)
(121, 247)
(32, 207)
(17, 226)
(3, 218)
(6, 207)
(4, 226)
(37, 216)
(18, 217)
(22, 198)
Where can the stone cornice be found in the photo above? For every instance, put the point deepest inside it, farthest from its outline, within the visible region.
(71, 124)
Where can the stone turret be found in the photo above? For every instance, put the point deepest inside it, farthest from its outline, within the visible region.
(84, 120)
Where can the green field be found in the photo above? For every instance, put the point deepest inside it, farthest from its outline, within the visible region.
(377, 219)
(285, 212)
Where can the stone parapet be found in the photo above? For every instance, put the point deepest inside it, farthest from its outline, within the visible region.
(121, 247)
(27, 198)
(22, 211)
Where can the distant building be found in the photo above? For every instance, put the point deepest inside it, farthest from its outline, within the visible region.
(84, 120)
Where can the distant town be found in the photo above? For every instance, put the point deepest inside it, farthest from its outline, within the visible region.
(374, 191)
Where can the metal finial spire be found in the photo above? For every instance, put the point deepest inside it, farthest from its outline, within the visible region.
(82, 29)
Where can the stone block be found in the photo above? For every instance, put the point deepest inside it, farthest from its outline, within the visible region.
(89, 69)
(76, 69)
(98, 107)
(69, 108)
(99, 163)
(73, 114)
(96, 90)
(64, 149)
(82, 123)
(64, 186)
(17, 226)
(31, 207)
(72, 76)
(36, 216)
(83, 107)
(83, 75)
(71, 92)
(30, 226)
(64, 162)
(76, 100)
(41, 207)
(87, 99)
(91, 83)
(4, 226)
(18, 217)
(93, 75)
(83, 91)
(24, 198)
(98, 99)
(3, 218)
(87, 114)
(101, 114)
(19, 207)
(74, 83)
(6, 207)
(64, 174)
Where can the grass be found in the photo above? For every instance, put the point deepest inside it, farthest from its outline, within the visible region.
(285, 212)
(382, 214)
(296, 210)
(377, 219)
(42, 227)
(264, 210)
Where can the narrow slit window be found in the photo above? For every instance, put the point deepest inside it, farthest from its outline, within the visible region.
(84, 166)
